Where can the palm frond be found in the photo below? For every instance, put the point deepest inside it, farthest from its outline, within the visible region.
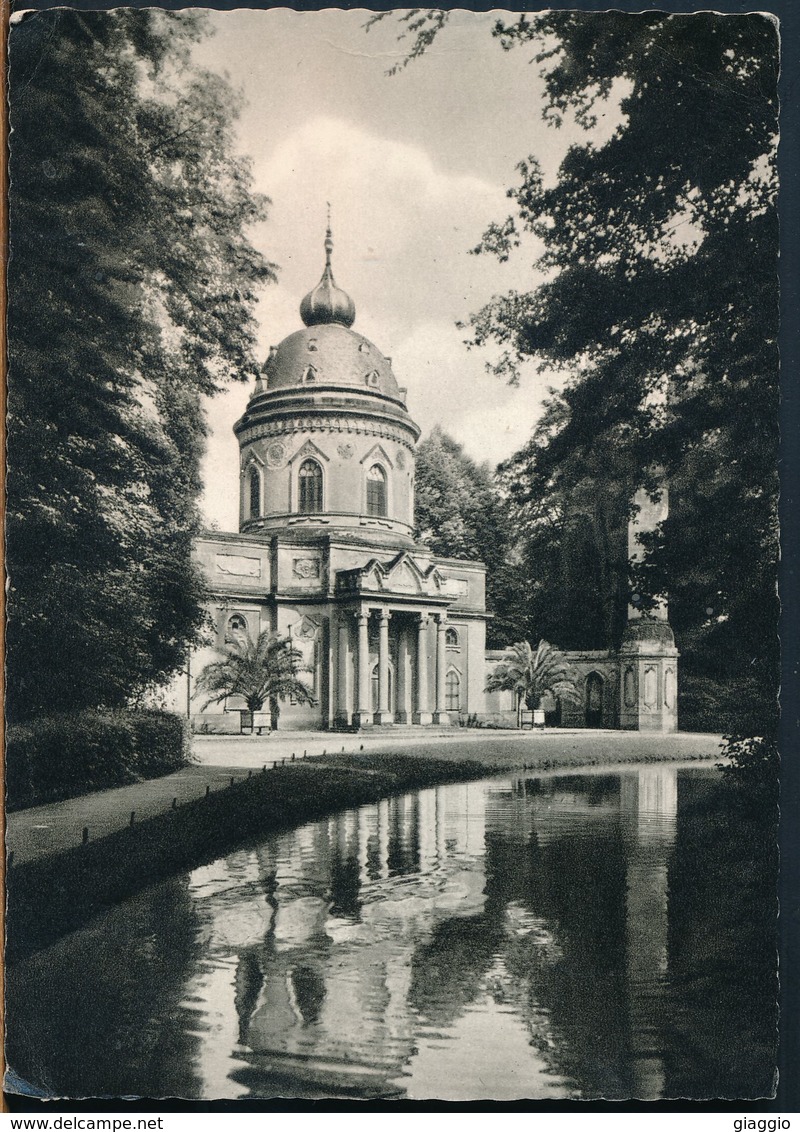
(261, 669)
(530, 673)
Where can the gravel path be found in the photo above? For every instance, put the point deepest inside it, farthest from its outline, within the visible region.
(46, 830)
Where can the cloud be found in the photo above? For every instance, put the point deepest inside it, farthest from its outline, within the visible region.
(448, 385)
(403, 227)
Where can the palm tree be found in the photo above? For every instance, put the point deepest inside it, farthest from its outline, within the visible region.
(530, 674)
(260, 670)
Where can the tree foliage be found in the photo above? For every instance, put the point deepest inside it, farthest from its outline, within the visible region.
(530, 673)
(460, 513)
(132, 284)
(264, 670)
(658, 250)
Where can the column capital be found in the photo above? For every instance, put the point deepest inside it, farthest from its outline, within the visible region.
(424, 618)
(385, 614)
(441, 619)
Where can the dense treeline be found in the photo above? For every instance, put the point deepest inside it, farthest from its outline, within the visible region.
(132, 284)
(461, 514)
(659, 308)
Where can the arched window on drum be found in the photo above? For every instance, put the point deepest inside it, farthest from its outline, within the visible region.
(253, 493)
(376, 491)
(310, 481)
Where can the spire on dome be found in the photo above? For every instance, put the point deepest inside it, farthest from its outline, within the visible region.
(327, 303)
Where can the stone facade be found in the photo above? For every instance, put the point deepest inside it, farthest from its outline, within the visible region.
(388, 632)
(325, 554)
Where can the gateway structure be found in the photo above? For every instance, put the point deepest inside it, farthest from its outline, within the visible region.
(390, 633)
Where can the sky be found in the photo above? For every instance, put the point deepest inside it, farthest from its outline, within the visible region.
(415, 166)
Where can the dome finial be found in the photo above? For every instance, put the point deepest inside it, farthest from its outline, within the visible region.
(328, 239)
(327, 303)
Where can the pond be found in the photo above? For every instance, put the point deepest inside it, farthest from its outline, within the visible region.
(547, 937)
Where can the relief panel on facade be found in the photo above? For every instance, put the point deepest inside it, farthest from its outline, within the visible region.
(306, 568)
(650, 687)
(238, 566)
(276, 454)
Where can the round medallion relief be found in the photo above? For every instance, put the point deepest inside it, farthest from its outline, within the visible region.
(401, 459)
(345, 451)
(276, 454)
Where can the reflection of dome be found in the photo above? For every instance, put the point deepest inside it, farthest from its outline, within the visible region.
(327, 302)
(330, 355)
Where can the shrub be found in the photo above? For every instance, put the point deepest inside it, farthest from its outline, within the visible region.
(59, 756)
(162, 742)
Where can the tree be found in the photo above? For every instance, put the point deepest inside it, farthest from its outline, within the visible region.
(461, 514)
(132, 284)
(262, 670)
(572, 531)
(659, 305)
(530, 674)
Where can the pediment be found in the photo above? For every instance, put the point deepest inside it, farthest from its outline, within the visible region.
(403, 578)
(405, 573)
(372, 578)
(378, 452)
(309, 448)
(402, 574)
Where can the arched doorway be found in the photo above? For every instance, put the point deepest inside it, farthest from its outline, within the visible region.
(594, 700)
(375, 689)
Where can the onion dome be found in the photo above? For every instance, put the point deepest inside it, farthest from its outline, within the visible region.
(327, 302)
(330, 355)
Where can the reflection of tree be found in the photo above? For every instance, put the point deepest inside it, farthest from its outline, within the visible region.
(579, 892)
(447, 971)
(100, 1012)
(722, 943)
(555, 918)
(325, 949)
(345, 886)
(563, 964)
(308, 985)
(249, 981)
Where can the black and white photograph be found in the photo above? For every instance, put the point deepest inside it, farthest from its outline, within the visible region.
(392, 542)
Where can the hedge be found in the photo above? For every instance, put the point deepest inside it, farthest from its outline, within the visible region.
(60, 756)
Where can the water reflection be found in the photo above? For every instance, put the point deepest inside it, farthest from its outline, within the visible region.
(507, 938)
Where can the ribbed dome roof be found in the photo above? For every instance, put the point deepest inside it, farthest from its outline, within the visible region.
(327, 303)
(335, 356)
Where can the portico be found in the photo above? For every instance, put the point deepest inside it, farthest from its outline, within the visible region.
(391, 664)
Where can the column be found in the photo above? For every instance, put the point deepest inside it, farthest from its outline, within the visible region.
(422, 714)
(363, 714)
(383, 716)
(648, 647)
(440, 715)
(403, 676)
(343, 663)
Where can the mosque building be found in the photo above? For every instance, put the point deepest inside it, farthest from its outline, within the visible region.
(389, 632)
